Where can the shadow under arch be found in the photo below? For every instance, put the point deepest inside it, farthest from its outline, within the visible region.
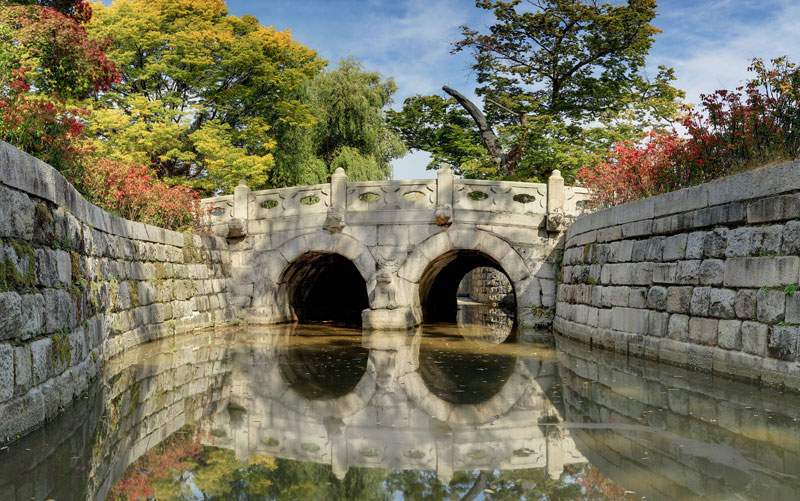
(438, 285)
(325, 287)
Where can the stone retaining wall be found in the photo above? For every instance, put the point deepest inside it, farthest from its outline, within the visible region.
(705, 277)
(491, 286)
(79, 285)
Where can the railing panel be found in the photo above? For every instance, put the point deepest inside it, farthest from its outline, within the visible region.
(500, 196)
(220, 209)
(391, 195)
(287, 202)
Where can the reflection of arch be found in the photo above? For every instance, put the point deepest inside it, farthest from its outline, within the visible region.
(438, 284)
(322, 373)
(455, 378)
(323, 286)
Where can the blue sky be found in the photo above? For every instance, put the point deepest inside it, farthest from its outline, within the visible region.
(708, 42)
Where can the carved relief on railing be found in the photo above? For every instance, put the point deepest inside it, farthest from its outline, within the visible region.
(286, 202)
(391, 195)
(500, 196)
(218, 209)
(575, 200)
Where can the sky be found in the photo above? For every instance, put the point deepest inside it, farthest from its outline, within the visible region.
(710, 43)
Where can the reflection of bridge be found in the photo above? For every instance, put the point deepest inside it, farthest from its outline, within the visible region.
(394, 249)
(394, 417)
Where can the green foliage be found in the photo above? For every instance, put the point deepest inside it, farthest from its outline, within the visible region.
(350, 130)
(561, 82)
(204, 95)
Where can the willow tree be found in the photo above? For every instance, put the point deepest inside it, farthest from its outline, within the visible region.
(204, 96)
(350, 129)
(560, 81)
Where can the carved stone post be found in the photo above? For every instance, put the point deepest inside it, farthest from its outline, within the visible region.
(237, 227)
(555, 201)
(335, 220)
(444, 196)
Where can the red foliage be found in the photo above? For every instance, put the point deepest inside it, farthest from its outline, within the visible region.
(633, 171)
(47, 129)
(168, 458)
(757, 124)
(69, 63)
(131, 191)
(79, 10)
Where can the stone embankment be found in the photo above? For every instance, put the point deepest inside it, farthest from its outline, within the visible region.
(79, 285)
(705, 277)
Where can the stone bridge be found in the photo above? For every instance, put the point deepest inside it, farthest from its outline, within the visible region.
(390, 254)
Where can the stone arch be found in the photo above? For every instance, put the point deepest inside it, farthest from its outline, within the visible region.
(437, 265)
(316, 266)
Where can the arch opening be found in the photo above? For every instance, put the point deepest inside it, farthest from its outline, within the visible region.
(443, 281)
(325, 288)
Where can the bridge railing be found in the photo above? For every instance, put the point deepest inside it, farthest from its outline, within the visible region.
(413, 199)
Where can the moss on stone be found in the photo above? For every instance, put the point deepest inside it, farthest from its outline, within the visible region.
(161, 271)
(61, 354)
(78, 275)
(10, 276)
(133, 291)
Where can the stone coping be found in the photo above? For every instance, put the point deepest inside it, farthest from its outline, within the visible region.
(758, 183)
(27, 173)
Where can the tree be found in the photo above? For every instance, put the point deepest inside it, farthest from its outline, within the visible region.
(350, 130)
(561, 81)
(79, 10)
(204, 96)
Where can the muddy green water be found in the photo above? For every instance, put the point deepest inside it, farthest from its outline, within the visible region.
(450, 411)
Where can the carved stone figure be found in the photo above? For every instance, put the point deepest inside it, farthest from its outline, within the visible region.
(444, 215)
(385, 288)
(334, 222)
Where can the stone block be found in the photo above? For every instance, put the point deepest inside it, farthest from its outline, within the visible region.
(720, 214)
(792, 313)
(721, 303)
(711, 272)
(679, 299)
(694, 245)
(641, 274)
(11, 314)
(16, 214)
(637, 297)
(657, 298)
(6, 372)
(745, 304)
(766, 240)
(770, 305)
(729, 334)
(703, 330)
(23, 369)
(739, 242)
(774, 209)
(783, 342)
(715, 243)
(630, 320)
(615, 296)
(700, 301)
(665, 273)
(761, 271)
(688, 272)
(604, 318)
(791, 238)
(41, 356)
(57, 308)
(639, 250)
(678, 327)
(658, 324)
(675, 247)
(621, 251)
(754, 338)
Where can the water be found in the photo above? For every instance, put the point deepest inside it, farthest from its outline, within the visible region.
(446, 412)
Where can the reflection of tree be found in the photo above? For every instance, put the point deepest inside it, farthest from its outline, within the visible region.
(596, 485)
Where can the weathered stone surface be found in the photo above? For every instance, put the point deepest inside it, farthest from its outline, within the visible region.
(678, 327)
(754, 338)
(679, 299)
(11, 313)
(770, 305)
(6, 371)
(703, 330)
(729, 334)
(721, 303)
(711, 271)
(23, 369)
(783, 342)
(701, 300)
(745, 304)
(792, 314)
(657, 298)
(774, 209)
(631, 320)
(638, 297)
(694, 245)
(715, 243)
(761, 272)
(658, 324)
(675, 247)
(41, 352)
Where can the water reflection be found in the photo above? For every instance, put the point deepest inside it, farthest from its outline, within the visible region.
(303, 412)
